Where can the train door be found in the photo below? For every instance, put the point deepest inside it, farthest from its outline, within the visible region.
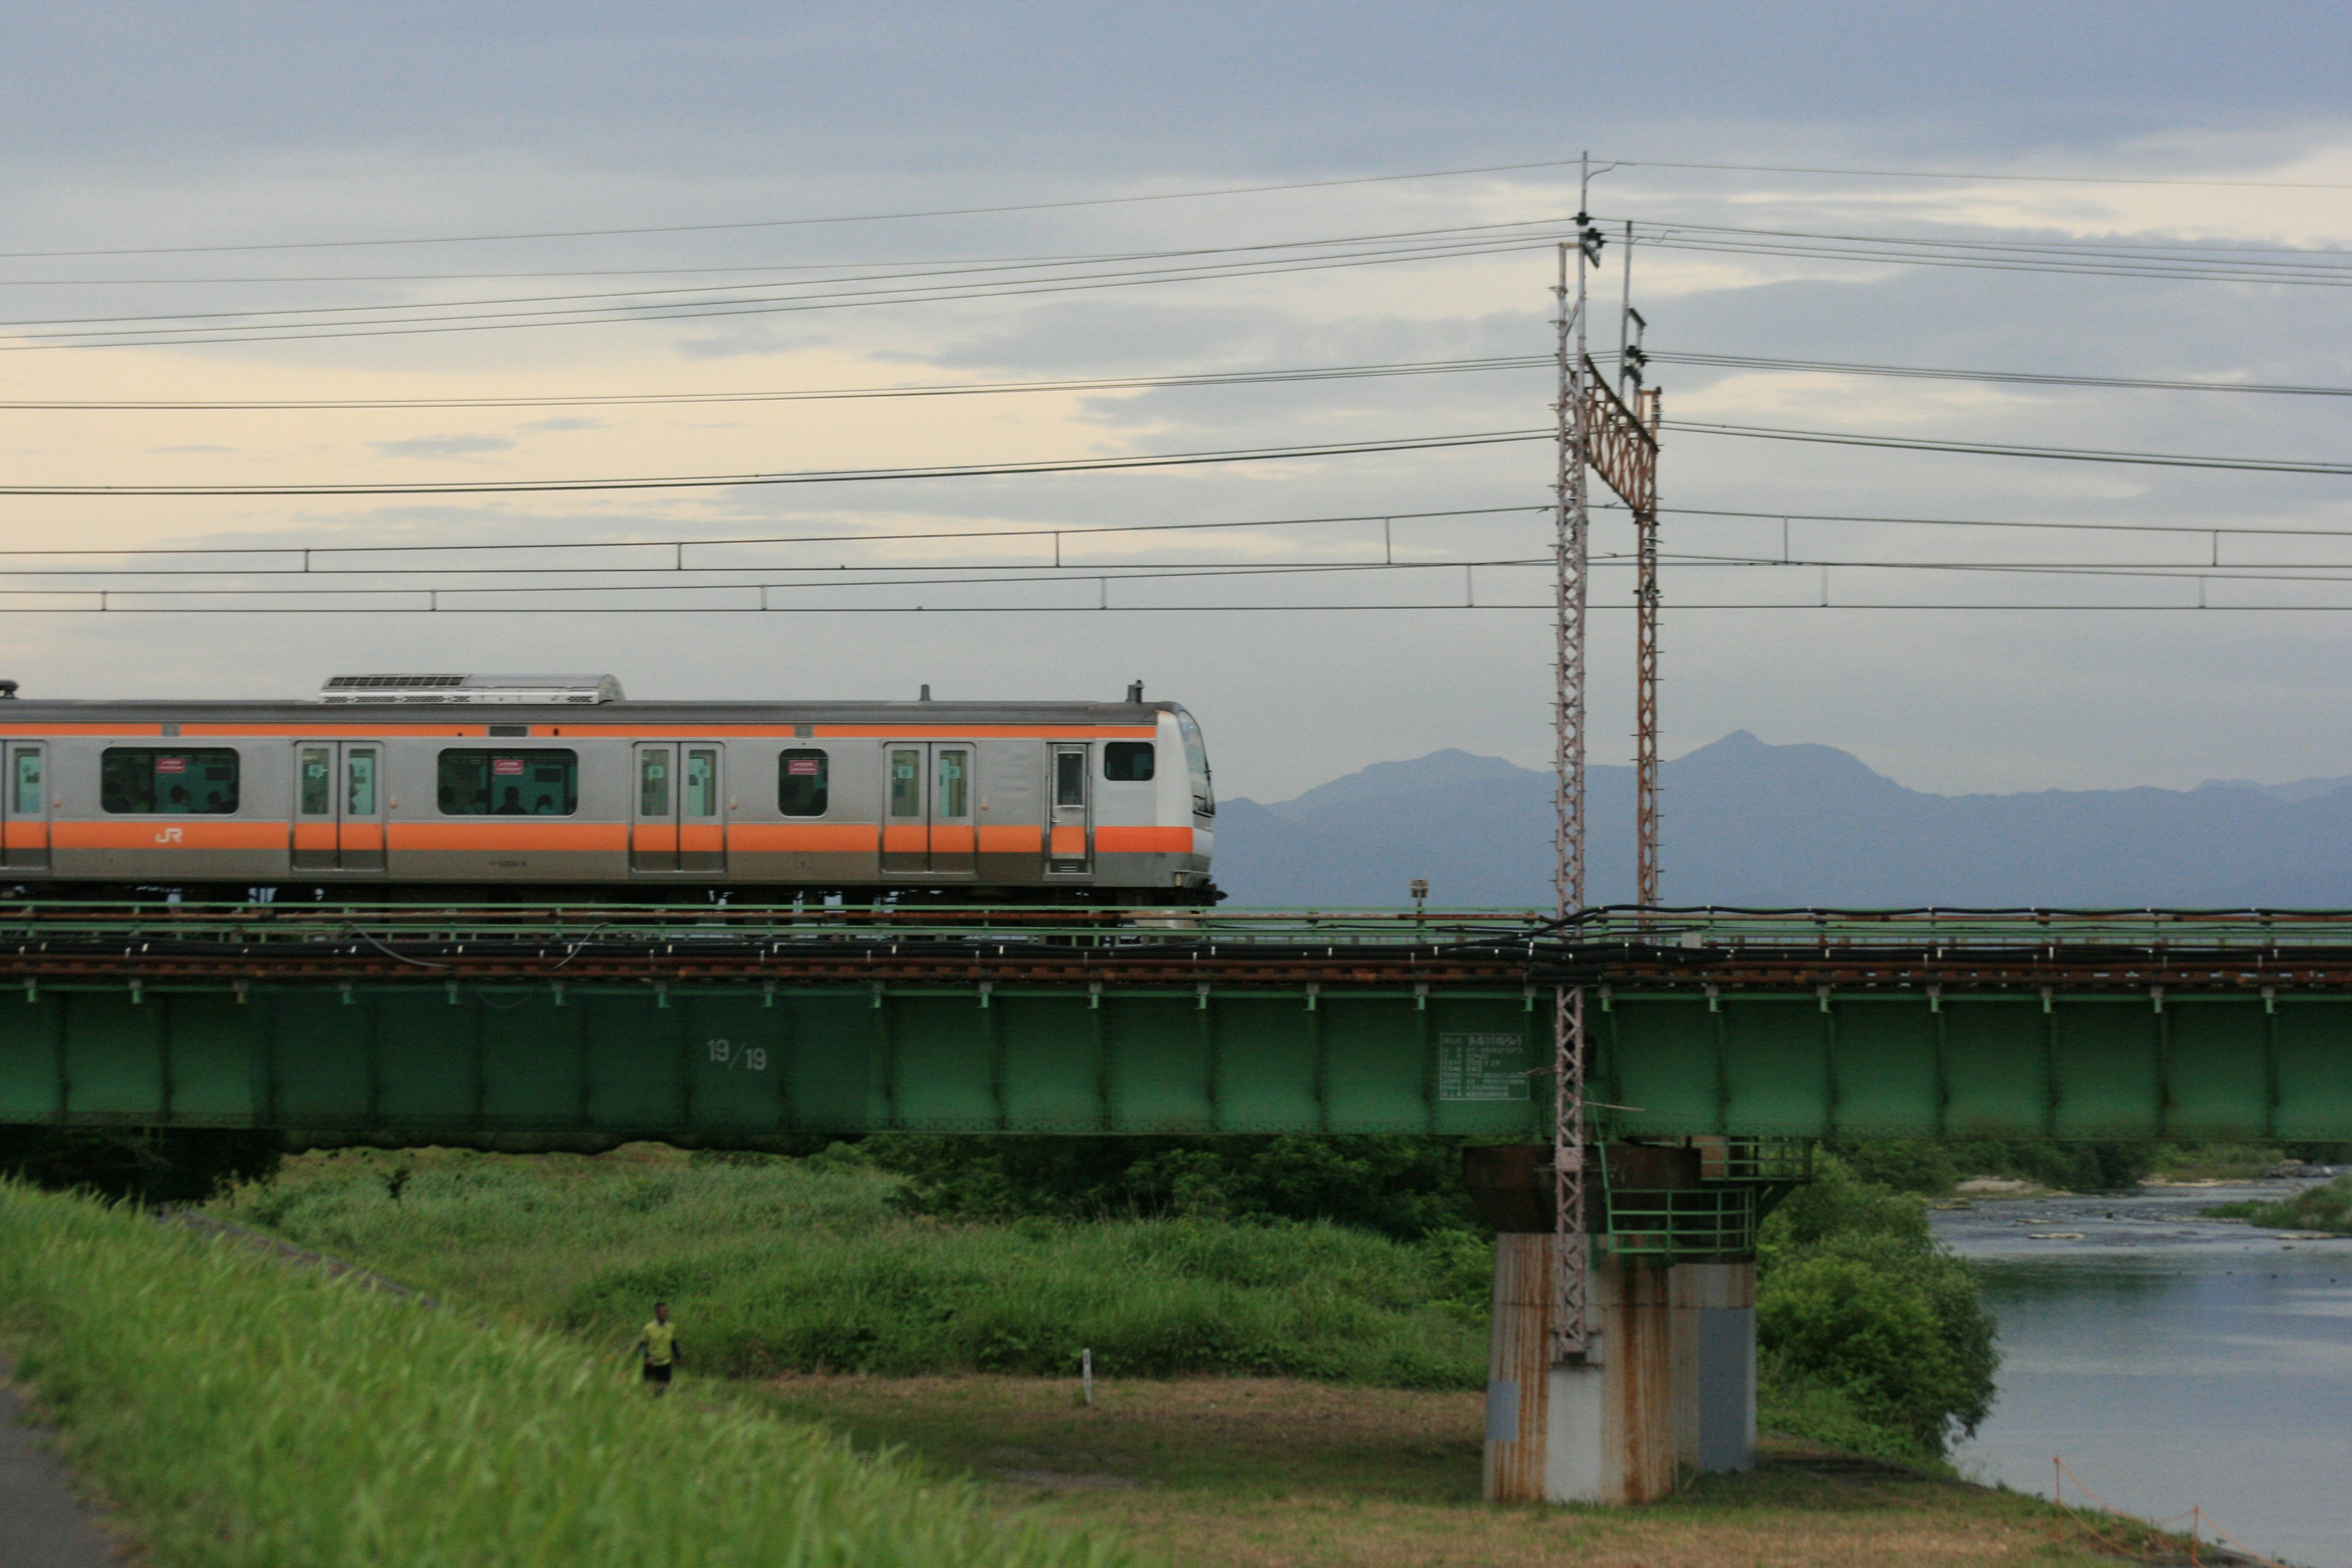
(337, 805)
(678, 823)
(1068, 847)
(24, 807)
(927, 820)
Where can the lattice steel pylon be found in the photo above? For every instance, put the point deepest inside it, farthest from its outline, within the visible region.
(1571, 547)
(1598, 431)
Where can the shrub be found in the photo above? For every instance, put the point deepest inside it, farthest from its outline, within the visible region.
(2326, 1208)
(1402, 1186)
(1856, 1297)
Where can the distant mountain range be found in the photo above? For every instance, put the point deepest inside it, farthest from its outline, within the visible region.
(1746, 823)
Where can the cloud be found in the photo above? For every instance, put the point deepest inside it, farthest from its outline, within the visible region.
(442, 447)
(559, 425)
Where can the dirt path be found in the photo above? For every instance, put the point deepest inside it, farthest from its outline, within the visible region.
(45, 1524)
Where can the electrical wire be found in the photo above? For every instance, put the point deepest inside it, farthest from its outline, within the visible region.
(1194, 194)
(806, 476)
(424, 326)
(1371, 370)
(801, 222)
(1186, 258)
(1045, 531)
(2002, 377)
(929, 389)
(2016, 449)
(1969, 175)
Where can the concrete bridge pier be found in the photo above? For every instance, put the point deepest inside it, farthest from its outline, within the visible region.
(1713, 1306)
(1597, 1430)
(1666, 1387)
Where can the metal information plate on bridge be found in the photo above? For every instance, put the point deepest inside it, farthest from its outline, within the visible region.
(1481, 1067)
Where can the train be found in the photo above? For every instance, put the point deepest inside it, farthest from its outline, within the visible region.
(508, 788)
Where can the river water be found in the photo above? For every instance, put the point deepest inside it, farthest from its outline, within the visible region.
(2170, 1359)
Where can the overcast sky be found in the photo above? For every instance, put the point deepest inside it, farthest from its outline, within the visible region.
(227, 157)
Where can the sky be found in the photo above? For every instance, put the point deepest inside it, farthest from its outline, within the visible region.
(317, 204)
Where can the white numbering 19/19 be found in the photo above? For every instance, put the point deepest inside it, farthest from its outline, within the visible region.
(751, 1058)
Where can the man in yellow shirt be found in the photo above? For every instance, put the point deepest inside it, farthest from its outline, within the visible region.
(657, 1346)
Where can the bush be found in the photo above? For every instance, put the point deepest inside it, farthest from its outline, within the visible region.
(2328, 1208)
(1855, 1299)
(802, 1265)
(1402, 1186)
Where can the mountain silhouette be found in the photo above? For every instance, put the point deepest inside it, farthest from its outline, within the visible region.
(1747, 823)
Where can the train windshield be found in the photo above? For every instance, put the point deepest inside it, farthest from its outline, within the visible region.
(1196, 763)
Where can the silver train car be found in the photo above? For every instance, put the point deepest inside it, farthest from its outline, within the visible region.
(392, 786)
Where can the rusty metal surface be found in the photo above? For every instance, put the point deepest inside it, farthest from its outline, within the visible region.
(1518, 1366)
(1637, 1408)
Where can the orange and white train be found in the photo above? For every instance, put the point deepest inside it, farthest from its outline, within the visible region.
(447, 786)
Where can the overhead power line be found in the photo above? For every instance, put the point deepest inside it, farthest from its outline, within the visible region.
(1372, 370)
(2016, 449)
(1399, 242)
(1999, 377)
(811, 222)
(1195, 194)
(391, 323)
(804, 476)
(814, 395)
(2012, 178)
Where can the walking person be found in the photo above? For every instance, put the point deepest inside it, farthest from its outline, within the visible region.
(658, 1348)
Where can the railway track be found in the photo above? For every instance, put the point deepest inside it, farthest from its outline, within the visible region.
(1748, 952)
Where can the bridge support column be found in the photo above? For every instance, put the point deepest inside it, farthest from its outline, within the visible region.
(1598, 1430)
(1713, 1306)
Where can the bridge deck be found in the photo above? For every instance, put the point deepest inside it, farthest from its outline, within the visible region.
(724, 1023)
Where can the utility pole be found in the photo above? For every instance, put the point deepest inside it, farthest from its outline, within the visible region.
(1644, 406)
(1613, 432)
(1571, 551)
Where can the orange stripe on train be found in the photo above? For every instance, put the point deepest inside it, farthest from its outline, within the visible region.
(496, 833)
(1144, 840)
(820, 838)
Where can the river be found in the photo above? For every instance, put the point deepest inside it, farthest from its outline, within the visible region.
(2170, 1359)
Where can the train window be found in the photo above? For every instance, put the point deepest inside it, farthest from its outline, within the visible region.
(143, 780)
(1127, 762)
(953, 797)
(1196, 763)
(29, 784)
(1069, 778)
(318, 785)
(702, 783)
(360, 798)
(510, 784)
(653, 782)
(906, 782)
(801, 780)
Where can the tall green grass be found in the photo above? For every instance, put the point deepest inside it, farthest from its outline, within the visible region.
(2327, 1208)
(777, 1265)
(253, 1416)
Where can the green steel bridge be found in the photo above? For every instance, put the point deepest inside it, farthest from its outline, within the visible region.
(711, 1025)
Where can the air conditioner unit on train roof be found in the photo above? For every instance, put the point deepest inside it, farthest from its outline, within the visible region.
(409, 691)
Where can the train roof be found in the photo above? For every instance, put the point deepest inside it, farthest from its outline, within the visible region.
(32, 710)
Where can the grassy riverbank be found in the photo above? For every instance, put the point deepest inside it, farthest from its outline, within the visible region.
(240, 1411)
(1276, 1473)
(1372, 1457)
